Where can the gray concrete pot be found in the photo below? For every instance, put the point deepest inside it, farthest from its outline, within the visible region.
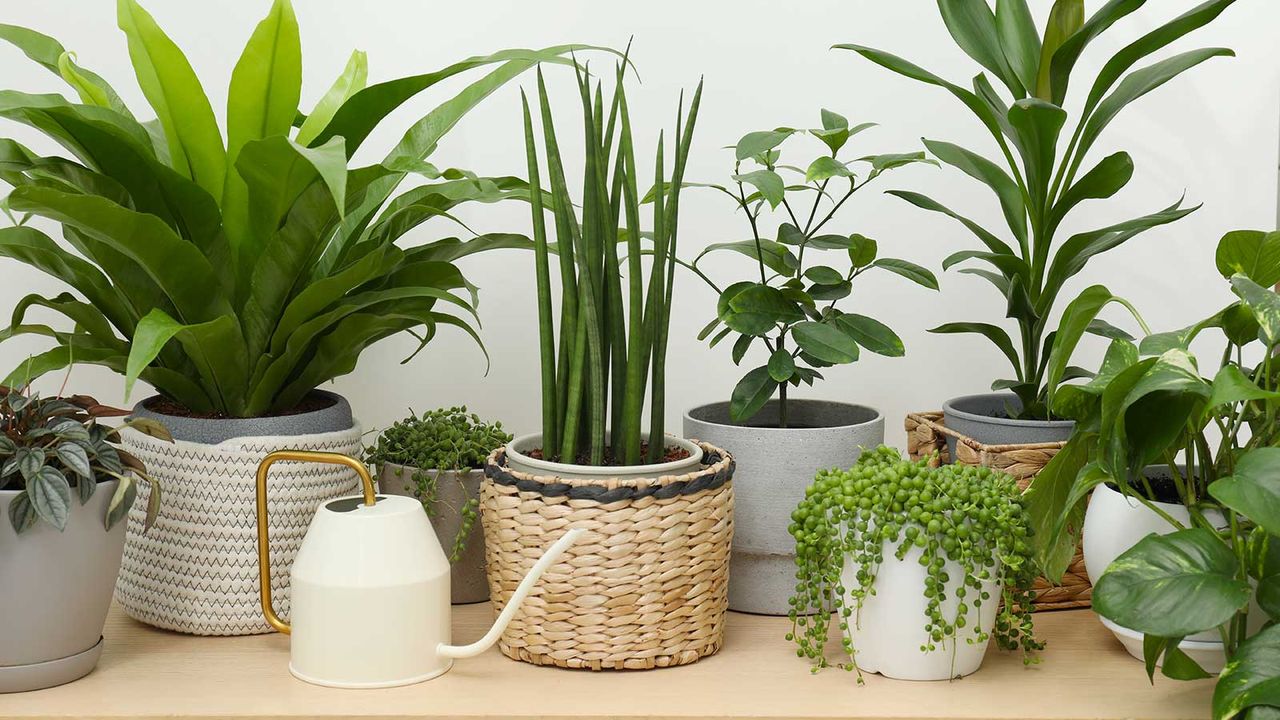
(55, 589)
(985, 418)
(775, 465)
(467, 581)
(211, 431)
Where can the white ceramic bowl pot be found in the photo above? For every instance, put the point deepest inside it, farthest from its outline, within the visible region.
(55, 589)
(888, 632)
(196, 570)
(467, 582)
(775, 465)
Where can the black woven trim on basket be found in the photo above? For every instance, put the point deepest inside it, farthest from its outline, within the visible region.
(714, 474)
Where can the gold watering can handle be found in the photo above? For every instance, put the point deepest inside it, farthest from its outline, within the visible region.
(264, 556)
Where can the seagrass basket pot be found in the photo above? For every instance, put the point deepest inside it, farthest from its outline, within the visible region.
(646, 587)
(926, 434)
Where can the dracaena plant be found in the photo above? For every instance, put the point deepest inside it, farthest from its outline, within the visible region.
(612, 345)
(1219, 438)
(48, 445)
(791, 309)
(1037, 174)
(235, 274)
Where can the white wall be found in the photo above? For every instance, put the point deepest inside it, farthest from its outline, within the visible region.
(1212, 134)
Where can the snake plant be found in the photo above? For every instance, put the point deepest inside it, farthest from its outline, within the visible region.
(611, 344)
(1037, 181)
(235, 272)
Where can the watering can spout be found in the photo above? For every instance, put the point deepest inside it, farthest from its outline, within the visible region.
(552, 554)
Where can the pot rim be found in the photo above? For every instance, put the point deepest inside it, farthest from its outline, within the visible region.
(1135, 635)
(949, 407)
(215, 431)
(558, 468)
(877, 416)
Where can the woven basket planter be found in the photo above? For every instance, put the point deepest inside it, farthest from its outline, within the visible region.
(926, 434)
(196, 570)
(646, 587)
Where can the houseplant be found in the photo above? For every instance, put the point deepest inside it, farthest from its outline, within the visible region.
(235, 277)
(438, 458)
(1149, 415)
(920, 566)
(785, 311)
(65, 484)
(658, 510)
(1038, 183)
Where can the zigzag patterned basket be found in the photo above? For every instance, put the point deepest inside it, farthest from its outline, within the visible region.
(196, 570)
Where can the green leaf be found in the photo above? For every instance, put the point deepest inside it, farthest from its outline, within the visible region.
(889, 161)
(352, 80)
(768, 182)
(994, 244)
(823, 275)
(908, 270)
(1074, 43)
(994, 333)
(1075, 322)
(758, 143)
(21, 514)
(1172, 585)
(49, 53)
(756, 309)
(50, 495)
(973, 26)
(740, 347)
(1107, 178)
(1253, 489)
(781, 366)
(1038, 125)
(1249, 679)
(1019, 41)
(174, 91)
(1231, 386)
(1055, 507)
(121, 500)
(75, 458)
(90, 93)
(836, 291)
(826, 167)
(751, 393)
(29, 460)
(832, 120)
(871, 334)
(991, 175)
(216, 347)
(1065, 18)
(825, 342)
(1265, 305)
(1253, 253)
(863, 250)
(1180, 666)
(775, 256)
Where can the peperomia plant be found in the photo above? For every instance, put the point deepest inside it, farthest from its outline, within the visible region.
(955, 515)
(1037, 181)
(441, 443)
(594, 377)
(47, 445)
(1219, 440)
(791, 309)
(237, 274)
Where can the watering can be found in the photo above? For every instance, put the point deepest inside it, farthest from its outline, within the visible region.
(370, 588)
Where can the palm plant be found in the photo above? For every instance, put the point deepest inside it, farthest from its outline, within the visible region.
(606, 352)
(237, 276)
(1039, 184)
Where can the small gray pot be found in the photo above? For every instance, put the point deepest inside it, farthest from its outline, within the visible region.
(467, 580)
(55, 589)
(985, 418)
(775, 465)
(211, 431)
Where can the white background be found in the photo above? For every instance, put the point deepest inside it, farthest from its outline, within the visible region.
(1211, 134)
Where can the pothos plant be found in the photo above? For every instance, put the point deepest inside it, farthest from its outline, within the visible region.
(1038, 179)
(1219, 440)
(49, 445)
(970, 517)
(444, 443)
(790, 308)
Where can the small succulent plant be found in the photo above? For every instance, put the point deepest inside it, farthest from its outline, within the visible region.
(51, 445)
(447, 441)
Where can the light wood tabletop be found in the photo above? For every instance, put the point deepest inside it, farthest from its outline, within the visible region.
(146, 672)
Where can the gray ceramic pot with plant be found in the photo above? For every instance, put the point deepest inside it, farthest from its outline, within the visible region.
(775, 465)
(438, 458)
(993, 419)
(64, 490)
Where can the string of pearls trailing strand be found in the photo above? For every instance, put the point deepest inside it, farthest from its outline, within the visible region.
(972, 516)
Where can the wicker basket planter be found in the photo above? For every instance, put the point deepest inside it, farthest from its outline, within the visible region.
(927, 434)
(646, 587)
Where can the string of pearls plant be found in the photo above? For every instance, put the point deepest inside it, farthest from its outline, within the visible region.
(970, 516)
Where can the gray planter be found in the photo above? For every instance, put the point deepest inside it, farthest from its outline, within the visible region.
(467, 581)
(775, 465)
(211, 431)
(985, 419)
(55, 589)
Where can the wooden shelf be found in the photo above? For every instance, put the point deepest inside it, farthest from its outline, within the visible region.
(146, 672)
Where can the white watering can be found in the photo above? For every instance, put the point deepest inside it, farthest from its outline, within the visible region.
(370, 588)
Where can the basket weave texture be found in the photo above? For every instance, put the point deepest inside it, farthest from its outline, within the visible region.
(926, 434)
(645, 587)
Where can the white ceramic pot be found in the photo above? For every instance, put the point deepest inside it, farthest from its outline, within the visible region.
(519, 460)
(889, 631)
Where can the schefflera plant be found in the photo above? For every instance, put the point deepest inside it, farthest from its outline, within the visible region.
(237, 274)
(611, 345)
(1036, 177)
(791, 309)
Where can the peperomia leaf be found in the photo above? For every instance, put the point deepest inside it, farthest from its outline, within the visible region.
(50, 496)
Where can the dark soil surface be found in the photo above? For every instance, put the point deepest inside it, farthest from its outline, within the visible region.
(1164, 488)
(311, 403)
(673, 454)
